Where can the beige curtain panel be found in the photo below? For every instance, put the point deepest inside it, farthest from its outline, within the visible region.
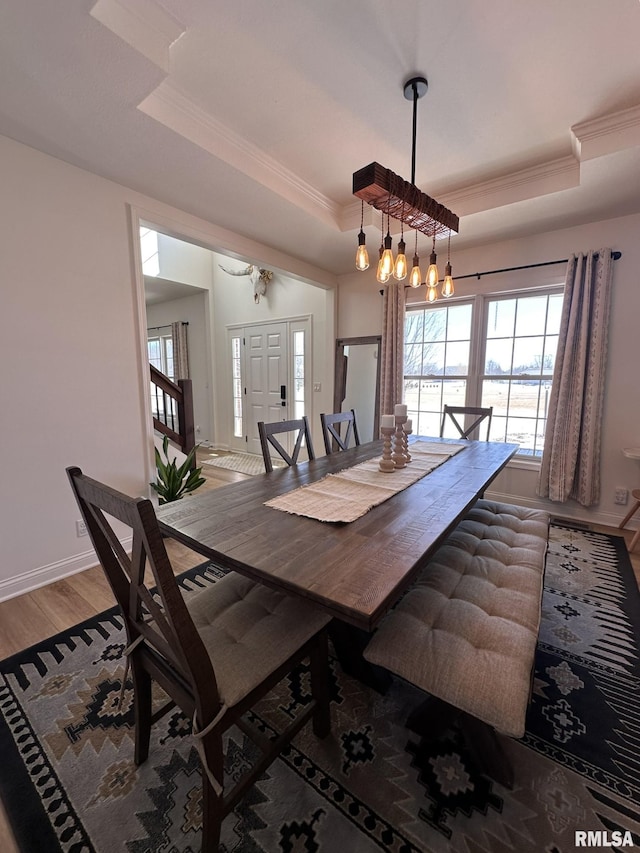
(180, 351)
(571, 456)
(392, 351)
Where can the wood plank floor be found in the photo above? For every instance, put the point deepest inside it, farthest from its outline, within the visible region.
(30, 618)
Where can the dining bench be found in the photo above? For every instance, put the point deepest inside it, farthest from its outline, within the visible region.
(466, 631)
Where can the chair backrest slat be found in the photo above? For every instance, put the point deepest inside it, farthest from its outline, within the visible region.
(332, 430)
(268, 440)
(478, 413)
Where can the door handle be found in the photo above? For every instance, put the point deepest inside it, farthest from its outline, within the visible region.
(283, 395)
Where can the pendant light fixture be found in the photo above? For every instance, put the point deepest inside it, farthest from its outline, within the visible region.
(415, 279)
(400, 266)
(381, 275)
(391, 194)
(362, 256)
(447, 284)
(433, 275)
(387, 254)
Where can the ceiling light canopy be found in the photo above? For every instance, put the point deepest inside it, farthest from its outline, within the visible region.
(394, 196)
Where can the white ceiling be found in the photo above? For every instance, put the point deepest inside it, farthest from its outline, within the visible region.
(254, 115)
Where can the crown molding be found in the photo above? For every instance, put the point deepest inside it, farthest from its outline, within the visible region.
(145, 25)
(532, 182)
(607, 134)
(350, 214)
(172, 108)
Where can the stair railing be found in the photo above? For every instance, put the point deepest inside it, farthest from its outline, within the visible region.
(172, 409)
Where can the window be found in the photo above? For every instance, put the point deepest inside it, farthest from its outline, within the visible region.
(436, 356)
(236, 373)
(298, 374)
(160, 349)
(491, 351)
(520, 354)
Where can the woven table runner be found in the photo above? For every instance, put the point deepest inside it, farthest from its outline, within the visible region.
(351, 493)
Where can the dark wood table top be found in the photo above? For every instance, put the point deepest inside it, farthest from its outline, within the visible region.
(356, 571)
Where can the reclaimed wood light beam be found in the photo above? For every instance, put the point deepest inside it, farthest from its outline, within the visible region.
(402, 200)
(388, 192)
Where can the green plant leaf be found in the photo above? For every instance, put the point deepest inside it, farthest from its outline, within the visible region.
(172, 481)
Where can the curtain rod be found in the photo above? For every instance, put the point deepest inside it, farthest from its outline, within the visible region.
(166, 326)
(615, 256)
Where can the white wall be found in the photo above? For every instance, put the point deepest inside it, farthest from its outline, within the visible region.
(359, 314)
(193, 310)
(72, 346)
(184, 262)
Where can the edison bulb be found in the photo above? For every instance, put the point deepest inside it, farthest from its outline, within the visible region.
(415, 279)
(447, 284)
(362, 256)
(400, 266)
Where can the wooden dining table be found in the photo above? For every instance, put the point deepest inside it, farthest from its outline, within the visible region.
(355, 571)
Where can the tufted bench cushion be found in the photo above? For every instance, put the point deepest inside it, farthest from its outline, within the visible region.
(466, 631)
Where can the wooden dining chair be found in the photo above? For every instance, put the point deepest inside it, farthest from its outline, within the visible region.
(268, 440)
(479, 414)
(215, 653)
(332, 429)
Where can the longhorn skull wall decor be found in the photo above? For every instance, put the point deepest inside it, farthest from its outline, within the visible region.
(258, 277)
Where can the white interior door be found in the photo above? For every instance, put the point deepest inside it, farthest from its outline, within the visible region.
(267, 380)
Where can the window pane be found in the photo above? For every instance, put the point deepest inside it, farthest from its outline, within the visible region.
(531, 316)
(433, 364)
(298, 374)
(527, 355)
(413, 326)
(413, 360)
(501, 318)
(459, 323)
(499, 355)
(554, 315)
(550, 349)
(435, 324)
(454, 393)
(457, 359)
(155, 357)
(236, 373)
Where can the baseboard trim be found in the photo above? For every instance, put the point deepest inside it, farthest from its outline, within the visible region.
(36, 578)
(567, 512)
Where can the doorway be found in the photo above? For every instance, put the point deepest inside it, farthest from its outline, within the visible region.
(270, 377)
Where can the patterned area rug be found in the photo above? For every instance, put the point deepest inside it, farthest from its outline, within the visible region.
(244, 463)
(69, 784)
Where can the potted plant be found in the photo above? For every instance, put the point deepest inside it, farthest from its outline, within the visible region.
(174, 482)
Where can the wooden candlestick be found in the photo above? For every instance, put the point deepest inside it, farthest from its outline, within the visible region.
(387, 464)
(407, 430)
(398, 443)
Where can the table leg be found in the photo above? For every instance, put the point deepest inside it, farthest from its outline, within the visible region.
(349, 642)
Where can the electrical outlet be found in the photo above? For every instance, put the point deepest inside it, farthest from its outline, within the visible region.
(81, 528)
(621, 495)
